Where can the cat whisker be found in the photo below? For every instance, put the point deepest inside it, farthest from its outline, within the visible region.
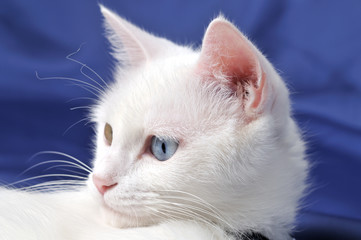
(163, 205)
(165, 217)
(90, 78)
(194, 208)
(200, 210)
(88, 107)
(67, 170)
(64, 182)
(168, 217)
(52, 186)
(80, 107)
(83, 65)
(56, 184)
(64, 155)
(75, 165)
(86, 89)
(45, 176)
(194, 198)
(137, 219)
(75, 80)
(187, 214)
(81, 120)
(81, 98)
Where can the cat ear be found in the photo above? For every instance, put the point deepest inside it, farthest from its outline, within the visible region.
(227, 54)
(131, 45)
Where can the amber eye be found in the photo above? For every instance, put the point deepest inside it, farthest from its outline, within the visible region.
(108, 134)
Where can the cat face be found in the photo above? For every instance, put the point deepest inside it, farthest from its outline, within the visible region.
(174, 113)
(186, 134)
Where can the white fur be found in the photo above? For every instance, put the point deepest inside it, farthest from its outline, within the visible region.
(228, 173)
(75, 216)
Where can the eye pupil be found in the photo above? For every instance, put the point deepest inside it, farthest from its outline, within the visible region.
(163, 147)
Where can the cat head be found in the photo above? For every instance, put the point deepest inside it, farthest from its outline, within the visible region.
(201, 134)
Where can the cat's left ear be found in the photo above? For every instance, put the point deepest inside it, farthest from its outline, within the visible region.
(131, 45)
(228, 55)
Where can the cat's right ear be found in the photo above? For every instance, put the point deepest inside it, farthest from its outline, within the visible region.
(227, 54)
(131, 45)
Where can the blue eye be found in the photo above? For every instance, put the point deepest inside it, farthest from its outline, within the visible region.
(163, 149)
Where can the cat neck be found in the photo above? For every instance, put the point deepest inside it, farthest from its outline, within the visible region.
(251, 235)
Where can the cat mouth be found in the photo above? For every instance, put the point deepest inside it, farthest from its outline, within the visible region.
(129, 208)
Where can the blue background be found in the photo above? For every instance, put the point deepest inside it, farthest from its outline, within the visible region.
(315, 45)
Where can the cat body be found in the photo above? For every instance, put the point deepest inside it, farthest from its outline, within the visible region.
(75, 216)
(190, 144)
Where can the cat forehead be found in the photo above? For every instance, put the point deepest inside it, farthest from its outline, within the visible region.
(165, 95)
(153, 81)
(153, 88)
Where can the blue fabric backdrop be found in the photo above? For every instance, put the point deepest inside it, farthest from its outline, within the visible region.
(316, 45)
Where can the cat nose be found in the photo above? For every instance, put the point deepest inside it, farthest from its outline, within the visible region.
(102, 184)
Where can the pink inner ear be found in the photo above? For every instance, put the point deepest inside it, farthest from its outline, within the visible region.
(226, 51)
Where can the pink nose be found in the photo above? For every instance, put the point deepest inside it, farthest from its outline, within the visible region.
(102, 184)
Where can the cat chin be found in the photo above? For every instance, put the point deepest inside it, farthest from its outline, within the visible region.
(126, 219)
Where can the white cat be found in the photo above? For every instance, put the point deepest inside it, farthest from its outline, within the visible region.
(191, 144)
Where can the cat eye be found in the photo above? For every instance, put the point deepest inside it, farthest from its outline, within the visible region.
(163, 149)
(108, 134)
